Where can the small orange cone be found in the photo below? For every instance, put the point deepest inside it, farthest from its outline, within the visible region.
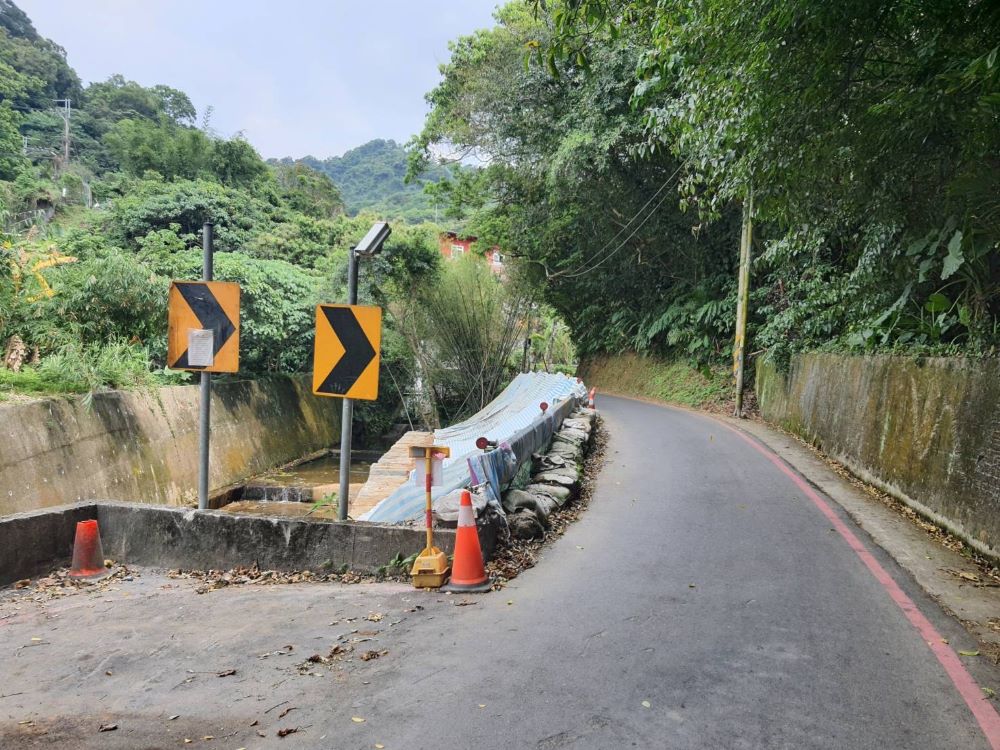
(88, 554)
(468, 575)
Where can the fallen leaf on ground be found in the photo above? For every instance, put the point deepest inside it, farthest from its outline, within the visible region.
(255, 722)
(369, 655)
(208, 737)
(227, 673)
(482, 705)
(990, 692)
(969, 653)
(287, 731)
(379, 746)
(23, 583)
(108, 728)
(465, 603)
(108, 673)
(286, 712)
(175, 716)
(357, 720)
(375, 617)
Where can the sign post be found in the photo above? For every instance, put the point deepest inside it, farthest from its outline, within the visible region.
(203, 335)
(201, 339)
(356, 353)
(430, 569)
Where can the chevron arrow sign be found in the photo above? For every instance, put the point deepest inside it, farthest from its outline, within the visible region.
(203, 326)
(346, 352)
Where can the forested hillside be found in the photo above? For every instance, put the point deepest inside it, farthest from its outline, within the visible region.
(625, 138)
(94, 227)
(372, 177)
(90, 243)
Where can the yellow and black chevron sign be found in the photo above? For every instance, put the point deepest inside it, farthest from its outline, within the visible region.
(203, 326)
(346, 353)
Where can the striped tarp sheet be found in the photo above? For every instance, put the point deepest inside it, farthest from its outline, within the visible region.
(508, 415)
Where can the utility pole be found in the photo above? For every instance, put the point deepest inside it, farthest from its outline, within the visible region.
(739, 345)
(67, 112)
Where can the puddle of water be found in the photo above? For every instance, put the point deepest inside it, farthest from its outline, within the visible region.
(322, 471)
(294, 492)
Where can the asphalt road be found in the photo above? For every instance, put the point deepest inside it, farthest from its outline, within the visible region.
(703, 601)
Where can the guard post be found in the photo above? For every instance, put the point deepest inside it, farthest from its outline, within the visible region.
(430, 569)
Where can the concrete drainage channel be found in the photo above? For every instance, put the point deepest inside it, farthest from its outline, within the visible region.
(308, 480)
(170, 537)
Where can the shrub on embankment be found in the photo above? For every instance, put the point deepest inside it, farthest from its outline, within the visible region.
(671, 381)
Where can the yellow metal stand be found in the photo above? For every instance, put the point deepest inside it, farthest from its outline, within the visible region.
(430, 569)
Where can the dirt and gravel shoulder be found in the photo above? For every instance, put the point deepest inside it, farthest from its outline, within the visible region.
(161, 659)
(241, 658)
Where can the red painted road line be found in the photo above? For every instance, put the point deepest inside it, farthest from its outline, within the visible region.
(982, 709)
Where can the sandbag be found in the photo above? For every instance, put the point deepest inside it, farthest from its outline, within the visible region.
(556, 491)
(446, 507)
(525, 525)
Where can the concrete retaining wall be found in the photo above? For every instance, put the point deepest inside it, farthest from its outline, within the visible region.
(925, 430)
(164, 537)
(143, 447)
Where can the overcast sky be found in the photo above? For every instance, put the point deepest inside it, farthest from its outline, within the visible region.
(297, 76)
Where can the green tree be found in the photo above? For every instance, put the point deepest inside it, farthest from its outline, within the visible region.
(10, 143)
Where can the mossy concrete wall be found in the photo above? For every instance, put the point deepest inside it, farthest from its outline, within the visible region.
(143, 447)
(925, 430)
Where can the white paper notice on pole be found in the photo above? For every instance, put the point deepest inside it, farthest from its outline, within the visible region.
(437, 472)
(201, 347)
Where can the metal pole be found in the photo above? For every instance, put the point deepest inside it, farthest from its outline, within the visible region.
(428, 482)
(746, 237)
(347, 414)
(206, 385)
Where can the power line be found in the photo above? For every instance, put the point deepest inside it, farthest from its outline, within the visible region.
(624, 242)
(580, 271)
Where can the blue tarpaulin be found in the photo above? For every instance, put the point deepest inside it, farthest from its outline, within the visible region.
(514, 418)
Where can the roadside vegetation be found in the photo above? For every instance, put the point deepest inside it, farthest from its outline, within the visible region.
(623, 139)
(89, 245)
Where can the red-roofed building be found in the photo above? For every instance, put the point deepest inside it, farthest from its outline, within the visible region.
(454, 245)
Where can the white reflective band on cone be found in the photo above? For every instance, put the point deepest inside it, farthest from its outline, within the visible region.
(465, 516)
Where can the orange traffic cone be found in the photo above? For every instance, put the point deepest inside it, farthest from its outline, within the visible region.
(88, 554)
(467, 572)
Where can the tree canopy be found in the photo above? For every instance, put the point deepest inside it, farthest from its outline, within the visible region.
(868, 135)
